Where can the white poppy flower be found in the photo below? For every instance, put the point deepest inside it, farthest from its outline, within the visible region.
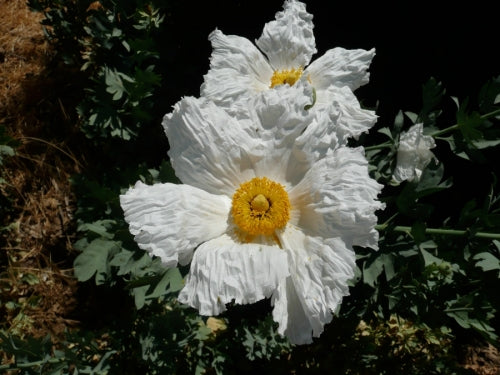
(259, 215)
(413, 154)
(239, 70)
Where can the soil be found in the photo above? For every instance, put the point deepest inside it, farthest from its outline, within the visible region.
(38, 290)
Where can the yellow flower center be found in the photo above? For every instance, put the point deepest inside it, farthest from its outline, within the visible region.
(260, 206)
(281, 77)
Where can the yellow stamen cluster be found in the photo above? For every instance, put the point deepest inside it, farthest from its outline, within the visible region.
(281, 77)
(260, 206)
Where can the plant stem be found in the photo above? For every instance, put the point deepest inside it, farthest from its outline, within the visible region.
(18, 366)
(380, 146)
(456, 126)
(446, 232)
(443, 131)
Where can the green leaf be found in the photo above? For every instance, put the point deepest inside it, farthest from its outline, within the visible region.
(155, 286)
(100, 228)
(430, 259)
(481, 144)
(418, 231)
(412, 116)
(167, 173)
(430, 181)
(384, 262)
(387, 132)
(468, 123)
(432, 95)
(94, 259)
(489, 96)
(487, 261)
(135, 263)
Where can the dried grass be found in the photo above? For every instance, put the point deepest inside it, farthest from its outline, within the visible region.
(37, 285)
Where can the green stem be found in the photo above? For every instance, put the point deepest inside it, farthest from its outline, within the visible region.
(378, 147)
(456, 126)
(459, 309)
(443, 131)
(446, 232)
(18, 366)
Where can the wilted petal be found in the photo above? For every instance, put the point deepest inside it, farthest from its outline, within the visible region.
(225, 270)
(170, 220)
(413, 154)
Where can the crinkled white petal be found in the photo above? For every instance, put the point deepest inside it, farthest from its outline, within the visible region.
(208, 148)
(332, 127)
(340, 67)
(225, 270)
(319, 272)
(288, 42)
(413, 154)
(288, 312)
(238, 70)
(314, 143)
(338, 198)
(279, 117)
(170, 220)
(353, 120)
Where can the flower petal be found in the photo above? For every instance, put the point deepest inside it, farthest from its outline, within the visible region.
(319, 273)
(288, 42)
(225, 270)
(413, 154)
(317, 139)
(334, 123)
(208, 148)
(170, 220)
(340, 67)
(279, 117)
(337, 198)
(353, 120)
(238, 70)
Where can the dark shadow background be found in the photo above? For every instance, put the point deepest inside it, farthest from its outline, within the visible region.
(414, 41)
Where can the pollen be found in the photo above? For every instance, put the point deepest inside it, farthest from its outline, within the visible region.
(281, 77)
(259, 207)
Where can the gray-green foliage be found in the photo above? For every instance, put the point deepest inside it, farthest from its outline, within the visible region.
(445, 276)
(114, 44)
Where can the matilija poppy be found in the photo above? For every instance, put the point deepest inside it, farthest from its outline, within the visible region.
(413, 154)
(282, 56)
(263, 210)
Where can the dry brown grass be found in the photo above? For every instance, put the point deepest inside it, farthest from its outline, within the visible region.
(23, 54)
(37, 285)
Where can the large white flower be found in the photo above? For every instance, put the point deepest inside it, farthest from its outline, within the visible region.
(263, 211)
(239, 69)
(413, 154)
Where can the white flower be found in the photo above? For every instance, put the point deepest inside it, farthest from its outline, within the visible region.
(258, 214)
(239, 70)
(413, 154)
